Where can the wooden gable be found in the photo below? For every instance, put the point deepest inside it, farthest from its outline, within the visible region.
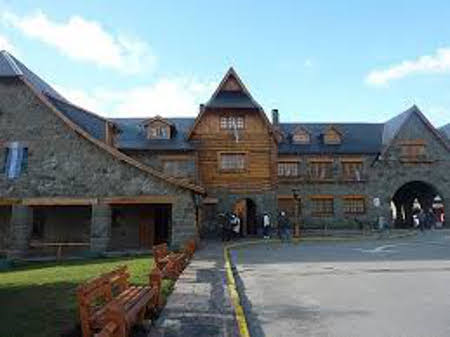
(301, 136)
(158, 128)
(233, 85)
(332, 136)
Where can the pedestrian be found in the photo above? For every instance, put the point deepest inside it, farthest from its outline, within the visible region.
(266, 225)
(422, 219)
(235, 225)
(430, 219)
(285, 227)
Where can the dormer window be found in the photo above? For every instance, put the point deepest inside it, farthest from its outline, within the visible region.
(231, 122)
(332, 136)
(159, 131)
(301, 136)
(158, 128)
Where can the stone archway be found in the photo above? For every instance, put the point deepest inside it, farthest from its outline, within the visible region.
(410, 198)
(245, 209)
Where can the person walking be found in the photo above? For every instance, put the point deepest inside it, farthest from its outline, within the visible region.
(266, 225)
(285, 227)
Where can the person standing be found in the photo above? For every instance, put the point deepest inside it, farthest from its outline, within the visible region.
(422, 219)
(266, 225)
(236, 225)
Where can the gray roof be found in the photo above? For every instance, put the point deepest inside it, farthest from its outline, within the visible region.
(232, 99)
(93, 124)
(89, 122)
(12, 67)
(357, 138)
(392, 126)
(133, 136)
(445, 130)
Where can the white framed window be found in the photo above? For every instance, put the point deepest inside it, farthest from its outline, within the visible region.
(232, 122)
(232, 161)
(16, 160)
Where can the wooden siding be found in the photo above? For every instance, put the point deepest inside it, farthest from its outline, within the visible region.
(255, 140)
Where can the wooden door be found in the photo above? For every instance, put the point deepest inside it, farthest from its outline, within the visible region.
(146, 228)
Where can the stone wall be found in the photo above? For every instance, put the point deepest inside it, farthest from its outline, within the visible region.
(5, 216)
(61, 163)
(389, 174)
(338, 189)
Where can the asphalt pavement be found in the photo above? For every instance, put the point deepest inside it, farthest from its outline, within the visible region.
(371, 288)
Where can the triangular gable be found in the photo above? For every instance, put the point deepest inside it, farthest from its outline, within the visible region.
(157, 119)
(232, 86)
(301, 131)
(397, 123)
(231, 83)
(331, 129)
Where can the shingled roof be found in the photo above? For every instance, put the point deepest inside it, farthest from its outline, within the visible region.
(133, 136)
(357, 138)
(445, 130)
(12, 67)
(88, 121)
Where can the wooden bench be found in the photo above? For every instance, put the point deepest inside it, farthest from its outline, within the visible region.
(189, 248)
(58, 245)
(170, 264)
(110, 306)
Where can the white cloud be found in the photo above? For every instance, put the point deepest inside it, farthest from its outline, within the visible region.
(175, 97)
(85, 40)
(5, 44)
(308, 63)
(436, 63)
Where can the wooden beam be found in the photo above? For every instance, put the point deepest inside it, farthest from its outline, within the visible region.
(210, 200)
(9, 201)
(285, 196)
(141, 199)
(59, 201)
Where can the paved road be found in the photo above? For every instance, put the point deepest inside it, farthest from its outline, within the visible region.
(398, 288)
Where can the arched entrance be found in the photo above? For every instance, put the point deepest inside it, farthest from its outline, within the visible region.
(246, 211)
(410, 198)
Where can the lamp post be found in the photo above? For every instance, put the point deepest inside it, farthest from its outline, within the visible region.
(296, 224)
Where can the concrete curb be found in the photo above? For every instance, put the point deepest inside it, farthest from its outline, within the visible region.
(234, 294)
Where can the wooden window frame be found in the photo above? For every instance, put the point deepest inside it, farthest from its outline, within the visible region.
(407, 145)
(219, 161)
(301, 133)
(312, 162)
(227, 126)
(348, 210)
(152, 127)
(291, 162)
(316, 198)
(345, 162)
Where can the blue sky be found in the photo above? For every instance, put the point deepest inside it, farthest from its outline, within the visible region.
(314, 61)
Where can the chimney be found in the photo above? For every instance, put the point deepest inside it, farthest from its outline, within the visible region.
(275, 117)
(202, 107)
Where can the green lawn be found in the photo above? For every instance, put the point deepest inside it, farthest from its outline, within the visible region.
(39, 299)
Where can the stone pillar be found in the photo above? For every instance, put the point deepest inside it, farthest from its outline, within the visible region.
(100, 227)
(21, 226)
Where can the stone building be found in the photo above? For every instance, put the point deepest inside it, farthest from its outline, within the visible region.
(70, 176)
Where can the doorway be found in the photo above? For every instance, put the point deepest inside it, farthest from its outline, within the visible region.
(245, 209)
(412, 197)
